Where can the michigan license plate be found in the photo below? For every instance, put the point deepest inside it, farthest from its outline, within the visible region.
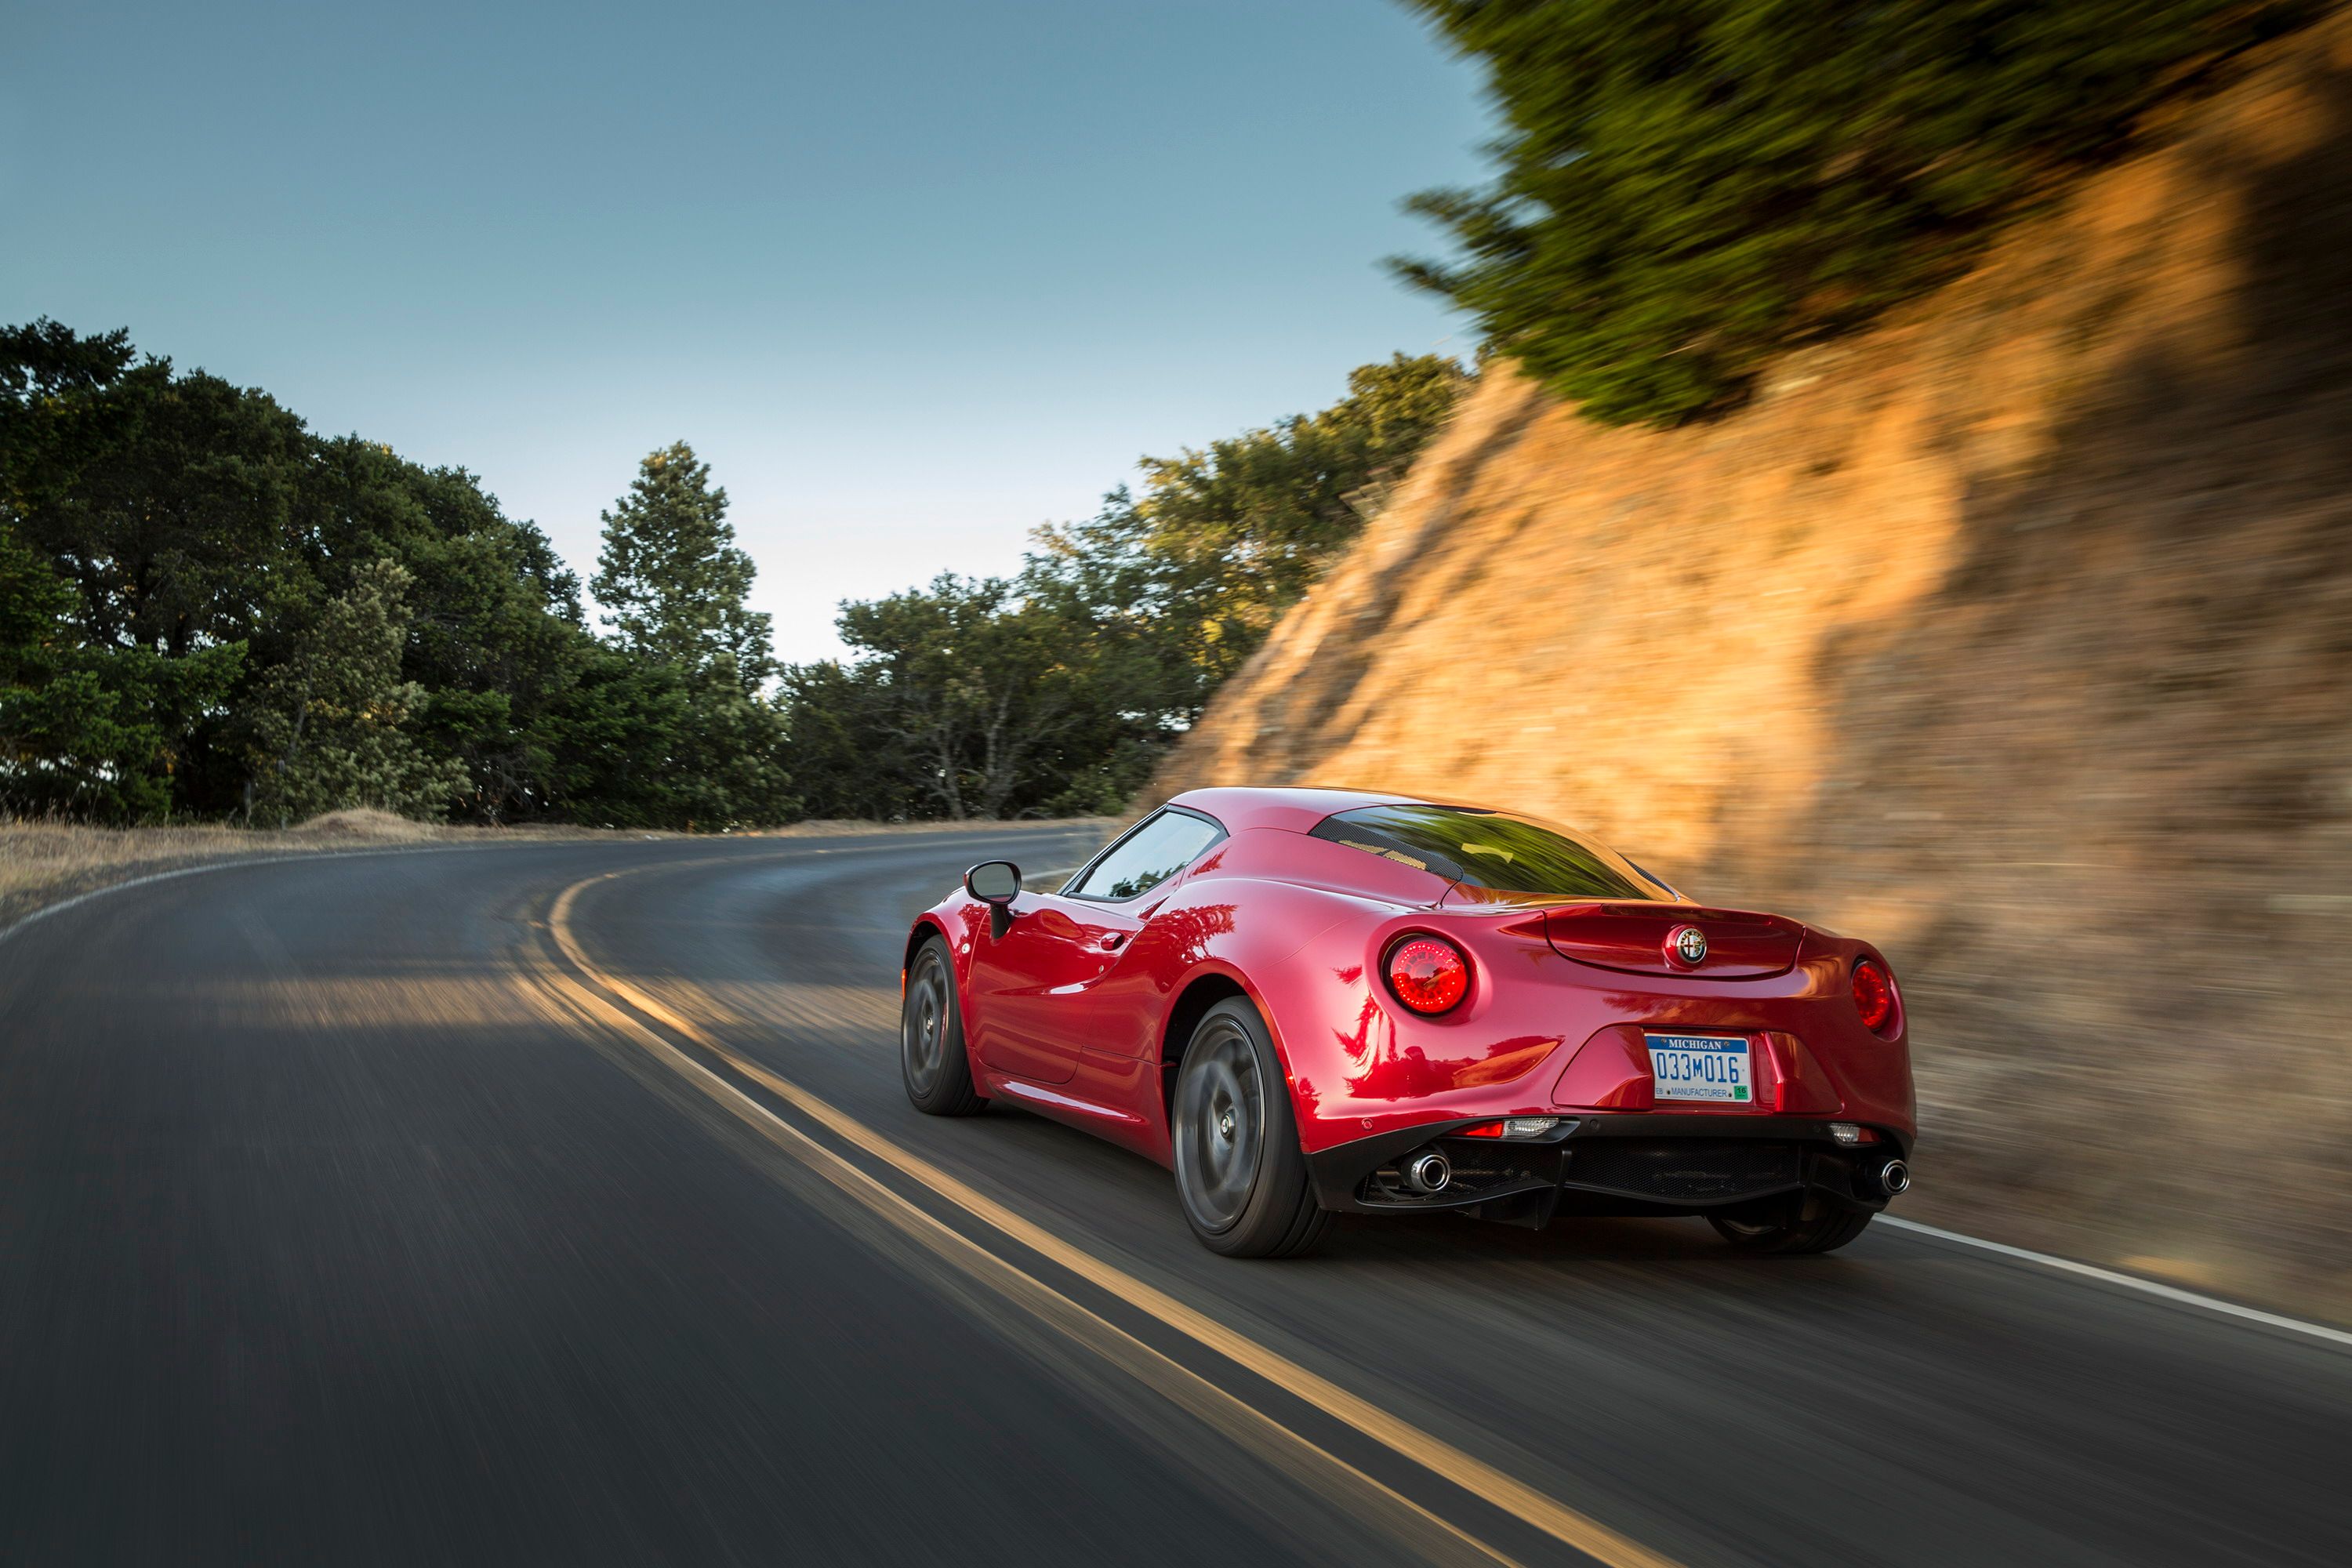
(1701, 1067)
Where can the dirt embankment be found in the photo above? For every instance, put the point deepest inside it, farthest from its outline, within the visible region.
(2017, 634)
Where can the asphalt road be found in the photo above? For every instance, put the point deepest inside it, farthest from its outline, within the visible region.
(355, 1210)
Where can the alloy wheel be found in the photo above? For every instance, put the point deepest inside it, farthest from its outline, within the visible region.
(923, 1024)
(1220, 1125)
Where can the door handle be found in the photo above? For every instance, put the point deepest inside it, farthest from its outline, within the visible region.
(1114, 941)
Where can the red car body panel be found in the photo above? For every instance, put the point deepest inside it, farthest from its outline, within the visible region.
(1077, 1008)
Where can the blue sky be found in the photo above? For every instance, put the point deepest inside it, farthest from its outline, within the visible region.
(912, 275)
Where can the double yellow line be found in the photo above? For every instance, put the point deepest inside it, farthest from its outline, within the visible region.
(630, 1012)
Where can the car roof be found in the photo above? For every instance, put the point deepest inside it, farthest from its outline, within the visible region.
(1298, 810)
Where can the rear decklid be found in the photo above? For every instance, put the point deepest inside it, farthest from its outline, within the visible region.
(1648, 938)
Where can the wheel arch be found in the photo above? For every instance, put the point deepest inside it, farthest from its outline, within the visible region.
(1193, 999)
(925, 927)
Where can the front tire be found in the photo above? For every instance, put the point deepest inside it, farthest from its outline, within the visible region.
(1791, 1232)
(931, 1055)
(1240, 1172)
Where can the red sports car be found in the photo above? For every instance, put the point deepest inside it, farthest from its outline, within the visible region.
(1310, 1001)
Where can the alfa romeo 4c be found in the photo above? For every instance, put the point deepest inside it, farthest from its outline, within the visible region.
(1315, 1001)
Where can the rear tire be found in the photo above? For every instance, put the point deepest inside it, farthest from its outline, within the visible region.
(1240, 1174)
(1792, 1234)
(931, 1055)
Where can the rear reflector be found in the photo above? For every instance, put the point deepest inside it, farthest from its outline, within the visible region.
(1509, 1127)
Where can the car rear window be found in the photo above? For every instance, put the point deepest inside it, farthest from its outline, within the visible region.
(1489, 849)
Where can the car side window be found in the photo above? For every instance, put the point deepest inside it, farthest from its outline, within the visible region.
(1148, 857)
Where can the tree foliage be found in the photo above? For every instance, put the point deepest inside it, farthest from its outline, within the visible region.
(1685, 190)
(1057, 691)
(708, 747)
(670, 578)
(330, 725)
(89, 732)
(207, 609)
(1225, 538)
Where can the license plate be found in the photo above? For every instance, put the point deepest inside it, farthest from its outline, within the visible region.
(1701, 1067)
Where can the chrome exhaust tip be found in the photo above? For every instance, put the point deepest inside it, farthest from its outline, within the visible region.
(1428, 1173)
(1895, 1178)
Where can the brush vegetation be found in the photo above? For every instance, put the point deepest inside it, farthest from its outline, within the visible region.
(1683, 191)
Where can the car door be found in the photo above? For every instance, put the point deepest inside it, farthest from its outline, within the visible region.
(1030, 985)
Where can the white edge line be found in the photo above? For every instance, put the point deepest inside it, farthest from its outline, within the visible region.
(2130, 1281)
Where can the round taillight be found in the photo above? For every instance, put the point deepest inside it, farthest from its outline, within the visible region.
(1428, 973)
(1874, 995)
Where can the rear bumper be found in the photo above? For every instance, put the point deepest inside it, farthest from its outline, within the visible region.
(1613, 1164)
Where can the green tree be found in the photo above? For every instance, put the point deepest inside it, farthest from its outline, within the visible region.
(168, 500)
(641, 743)
(669, 576)
(707, 752)
(168, 504)
(1058, 692)
(333, 726)
(86, 731)
(187, 516)
(976, 687)
(1195, 571)
(1685, 190)
(849, 756)
(495, 638)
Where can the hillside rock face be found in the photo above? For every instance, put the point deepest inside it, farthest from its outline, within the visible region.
(2016, 635)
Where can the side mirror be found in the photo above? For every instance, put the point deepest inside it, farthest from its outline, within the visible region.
(995, 883)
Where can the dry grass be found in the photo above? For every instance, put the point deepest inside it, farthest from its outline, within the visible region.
(44, 862)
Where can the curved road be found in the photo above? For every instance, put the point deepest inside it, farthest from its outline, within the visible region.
(558, 1203)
